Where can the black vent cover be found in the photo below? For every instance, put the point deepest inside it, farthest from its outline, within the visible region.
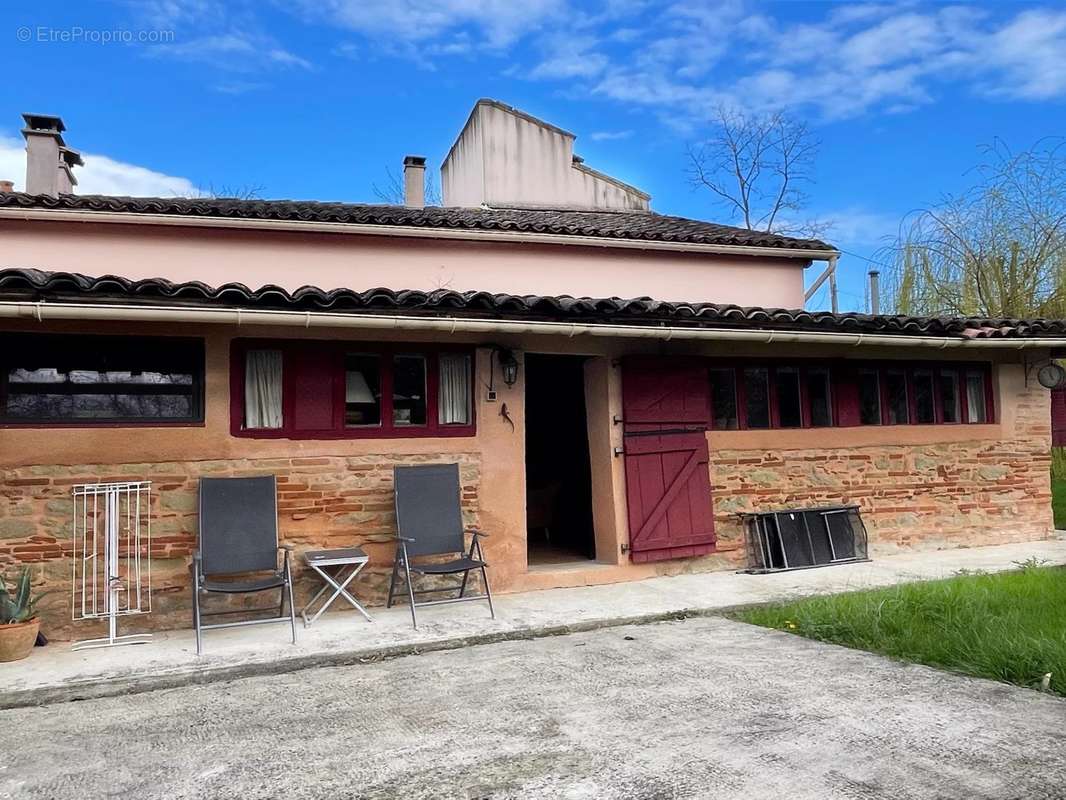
(798, 538)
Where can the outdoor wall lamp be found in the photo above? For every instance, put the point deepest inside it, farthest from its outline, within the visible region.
(508, 365)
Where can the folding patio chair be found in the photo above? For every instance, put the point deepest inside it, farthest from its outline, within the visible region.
(430, 523)
(238, 537)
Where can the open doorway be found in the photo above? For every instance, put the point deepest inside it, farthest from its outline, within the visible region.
(558, 473)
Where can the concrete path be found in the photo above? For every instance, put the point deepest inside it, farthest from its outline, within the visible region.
(55, 673)
(700, 708)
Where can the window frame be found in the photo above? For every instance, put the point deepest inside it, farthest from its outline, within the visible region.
(845, 405)
(906, 373)
(934, 395)
(334, 353)
(959, 368)
(803, 367)
(195, 390)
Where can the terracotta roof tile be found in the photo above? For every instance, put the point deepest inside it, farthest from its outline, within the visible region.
(625, 225)
(33, 285)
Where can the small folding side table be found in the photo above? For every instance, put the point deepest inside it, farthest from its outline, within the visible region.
(349, 562)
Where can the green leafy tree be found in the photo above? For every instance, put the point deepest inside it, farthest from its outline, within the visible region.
(997, 249)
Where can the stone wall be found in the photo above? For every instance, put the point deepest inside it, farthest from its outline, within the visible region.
(923, 497)
(322, 502)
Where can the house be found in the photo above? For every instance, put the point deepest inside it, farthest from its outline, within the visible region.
(616, 384)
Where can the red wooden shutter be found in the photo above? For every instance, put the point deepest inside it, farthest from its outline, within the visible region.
(846, 396)
(666, 413)
(1058, 417)
(312, 374)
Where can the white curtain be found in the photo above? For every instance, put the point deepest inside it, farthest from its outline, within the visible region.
(454, 389)
(975, 399)
(262, 389)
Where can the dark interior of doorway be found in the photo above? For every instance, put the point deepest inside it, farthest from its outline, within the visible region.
(558, 473)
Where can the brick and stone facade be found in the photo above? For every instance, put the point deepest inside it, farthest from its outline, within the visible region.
(919, 486)
(322, 502)
(912, 497)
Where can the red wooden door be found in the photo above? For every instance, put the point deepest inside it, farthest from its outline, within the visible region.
(666, 412)
(1058, 417)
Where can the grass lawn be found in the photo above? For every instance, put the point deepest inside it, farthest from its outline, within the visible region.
(1058, 501)
(1009, 627)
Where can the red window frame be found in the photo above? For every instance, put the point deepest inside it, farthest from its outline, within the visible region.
(325, 362)
(844, 396)
(804, 368)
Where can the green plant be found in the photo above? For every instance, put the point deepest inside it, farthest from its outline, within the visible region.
(1007, 626)
(1058, 463)
(1033, 562)
(1058, 503)
(22, 605)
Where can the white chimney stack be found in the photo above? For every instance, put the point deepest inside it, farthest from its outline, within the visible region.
(414, 181)
(49, 162)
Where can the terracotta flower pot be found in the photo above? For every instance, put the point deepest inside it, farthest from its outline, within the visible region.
(16, 641)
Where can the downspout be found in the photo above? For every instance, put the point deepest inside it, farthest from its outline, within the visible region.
(829, 274)
(46, 311)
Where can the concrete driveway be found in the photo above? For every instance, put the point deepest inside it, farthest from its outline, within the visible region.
(702, 708)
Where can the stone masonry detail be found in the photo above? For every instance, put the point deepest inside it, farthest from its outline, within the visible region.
(325, 501)
(928, 496)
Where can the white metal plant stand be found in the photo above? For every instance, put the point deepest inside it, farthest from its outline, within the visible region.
(112, 557)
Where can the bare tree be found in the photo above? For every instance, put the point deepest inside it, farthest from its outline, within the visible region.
(248, 191)
(391, 191)
(998, 249)
(756, 166)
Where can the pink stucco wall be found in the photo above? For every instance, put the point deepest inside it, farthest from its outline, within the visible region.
(329, 261)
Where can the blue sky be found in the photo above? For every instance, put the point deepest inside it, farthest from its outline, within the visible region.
(315, 98)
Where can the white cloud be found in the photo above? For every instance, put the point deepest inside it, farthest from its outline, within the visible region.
(499, 22)
(678, 58)
(239, 87)
(100, 175)
(235, 51)
(570, 57)
(609, 136)
(1031, 54)
(225, 35)
(683, 58)
(858, 227)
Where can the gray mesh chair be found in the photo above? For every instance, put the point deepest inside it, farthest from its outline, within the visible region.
(238, 538)
(430, 524)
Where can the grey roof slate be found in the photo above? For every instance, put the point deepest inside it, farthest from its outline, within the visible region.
(644, 226)
(34, 285)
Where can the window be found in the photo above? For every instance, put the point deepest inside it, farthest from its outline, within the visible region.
(454, 393)
(869, 397)
(84, 380)
(362, 390)
(409, 390)
(803, 394)
(950, 403)
(897, 403)
(924, 397)
(262, 389)
(756, 397)
(976, 397)
(819, 397)
(724, 399)
(331, 390)
(787, 391)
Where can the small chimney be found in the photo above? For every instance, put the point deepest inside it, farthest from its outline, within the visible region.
(875, 291)
(68, 159)
(6, 187)
(414, 181)
(49, 162)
